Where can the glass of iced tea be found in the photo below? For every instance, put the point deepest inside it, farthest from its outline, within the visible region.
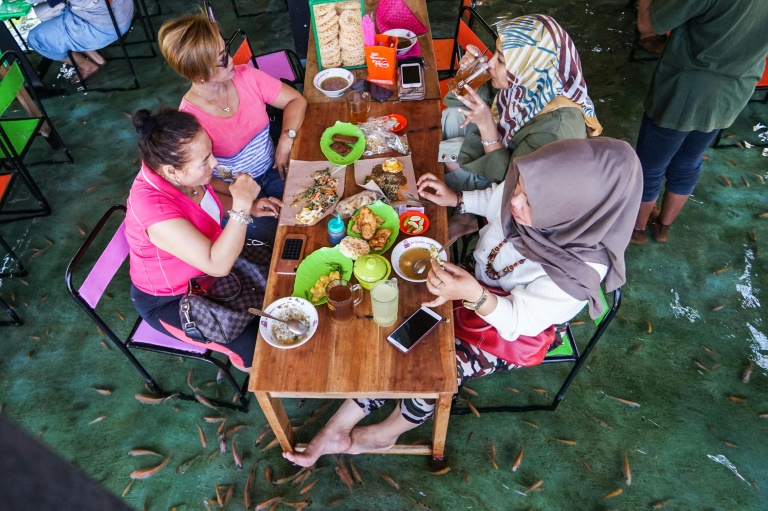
(358, 104)
(474, 75)
(342, 298)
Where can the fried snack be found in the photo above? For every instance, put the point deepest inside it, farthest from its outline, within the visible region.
(366, 223)
(348, 206)
(351, 37)
(318, 290)
(345, 139)
(389, 181)
(434, 253)
(340, 148)
(354, 247)
(380, 239)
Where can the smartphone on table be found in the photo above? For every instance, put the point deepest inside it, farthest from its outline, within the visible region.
(414, 329)
(291, 253)
(411, 75)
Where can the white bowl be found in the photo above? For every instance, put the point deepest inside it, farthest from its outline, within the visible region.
(331, 73)
(401, 32)
(276, 309)
(415, 241)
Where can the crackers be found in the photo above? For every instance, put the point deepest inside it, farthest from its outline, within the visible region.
(339, 33)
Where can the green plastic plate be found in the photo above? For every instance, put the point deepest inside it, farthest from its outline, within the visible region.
(314, 266)
(391, 221)
(346, 129)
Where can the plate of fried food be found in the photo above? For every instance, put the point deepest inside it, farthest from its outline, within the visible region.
(317, 270)
(378, 224)
(343, 143)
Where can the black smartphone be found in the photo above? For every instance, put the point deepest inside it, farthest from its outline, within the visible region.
(292, 254)
(414, 329)
(379, 93)
(361, 84)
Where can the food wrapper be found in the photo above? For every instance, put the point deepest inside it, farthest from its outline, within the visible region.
(351, 204)
(385, 123)
(379, 141)
(363, 168)
(299, 178)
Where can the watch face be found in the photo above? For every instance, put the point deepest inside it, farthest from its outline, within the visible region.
(290, 133)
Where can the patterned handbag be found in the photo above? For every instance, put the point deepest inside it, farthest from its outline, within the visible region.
(215, 309)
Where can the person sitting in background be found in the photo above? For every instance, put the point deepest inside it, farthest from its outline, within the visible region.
(714, 57)
(557, 226)
(230, 103)
(173, 224)
(79, 26)
(542, 98)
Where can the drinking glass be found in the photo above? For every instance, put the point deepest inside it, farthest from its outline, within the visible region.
(384, 300)
(342, 298)
(358, 104)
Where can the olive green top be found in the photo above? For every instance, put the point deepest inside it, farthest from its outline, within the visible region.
(713, 58)
(558, 124)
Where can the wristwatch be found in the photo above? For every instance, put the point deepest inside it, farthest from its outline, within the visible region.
(473, 306)
(291, 133)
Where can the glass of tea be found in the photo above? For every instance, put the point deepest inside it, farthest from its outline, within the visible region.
(342, 298)
(474, 75)
(358, 104)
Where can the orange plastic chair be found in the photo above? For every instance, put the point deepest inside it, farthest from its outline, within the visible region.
(464, 35)
(444, 46)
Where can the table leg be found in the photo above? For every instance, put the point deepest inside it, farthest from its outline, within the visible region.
(278, 420)
(440, 427)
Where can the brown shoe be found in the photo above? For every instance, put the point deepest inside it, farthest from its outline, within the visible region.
(660, 232)
(639, 237)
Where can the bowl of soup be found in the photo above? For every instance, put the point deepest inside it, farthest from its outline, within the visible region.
(333, 82)
(407, 252)
(405, 39)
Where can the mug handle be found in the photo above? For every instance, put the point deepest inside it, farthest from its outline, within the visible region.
(356, 289)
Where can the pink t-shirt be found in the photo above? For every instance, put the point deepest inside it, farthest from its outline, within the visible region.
(255, 89)
(152, 200)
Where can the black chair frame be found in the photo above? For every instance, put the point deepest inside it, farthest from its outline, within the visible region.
(577, 358)
(20, 270)
(142, 16)
(456, 52)
(125, 345)
(15, 319)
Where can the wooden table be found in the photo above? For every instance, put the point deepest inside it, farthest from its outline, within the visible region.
(432, 91)
(355, 360)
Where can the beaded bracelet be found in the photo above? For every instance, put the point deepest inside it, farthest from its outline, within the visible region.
(240, 216)
(459, 202)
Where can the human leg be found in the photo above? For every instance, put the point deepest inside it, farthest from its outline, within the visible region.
(656, 146)
(334, 438)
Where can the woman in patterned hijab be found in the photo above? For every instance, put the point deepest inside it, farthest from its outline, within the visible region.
(542, 98)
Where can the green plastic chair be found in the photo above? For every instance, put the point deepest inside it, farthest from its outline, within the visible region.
(14, 10)
(567, 352)
(16, 137)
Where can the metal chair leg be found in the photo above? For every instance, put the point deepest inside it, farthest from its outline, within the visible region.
(15, 319)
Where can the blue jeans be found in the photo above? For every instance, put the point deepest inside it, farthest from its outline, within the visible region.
(264, 228)
(673, 154)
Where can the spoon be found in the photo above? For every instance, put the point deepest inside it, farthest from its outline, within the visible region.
(294, 325)
(420, 266)
(224, 171)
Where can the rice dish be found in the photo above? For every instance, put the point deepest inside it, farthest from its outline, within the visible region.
(280, 331)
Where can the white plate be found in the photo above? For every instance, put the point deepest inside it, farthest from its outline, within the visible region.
(415, 241)
(275, 308)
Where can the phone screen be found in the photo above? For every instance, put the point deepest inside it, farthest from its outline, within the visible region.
(410, 74)
(414, 328)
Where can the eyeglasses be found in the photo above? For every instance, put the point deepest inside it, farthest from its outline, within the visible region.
(224, 55)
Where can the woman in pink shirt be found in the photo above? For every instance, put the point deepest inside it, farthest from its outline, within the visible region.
(230, 103)
(173, 224)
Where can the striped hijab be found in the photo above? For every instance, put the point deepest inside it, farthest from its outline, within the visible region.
(542, 64)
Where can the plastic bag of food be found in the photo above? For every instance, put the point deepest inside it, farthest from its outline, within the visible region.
(385, 123)
(351, 204)
(381, 141)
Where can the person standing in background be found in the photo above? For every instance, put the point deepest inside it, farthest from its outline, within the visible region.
(713, 59)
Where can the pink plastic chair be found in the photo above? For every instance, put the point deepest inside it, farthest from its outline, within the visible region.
(142, 336)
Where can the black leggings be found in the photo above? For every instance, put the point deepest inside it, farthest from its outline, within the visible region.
(162, 314)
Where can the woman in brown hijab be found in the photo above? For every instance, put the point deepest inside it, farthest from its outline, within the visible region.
(557, 227)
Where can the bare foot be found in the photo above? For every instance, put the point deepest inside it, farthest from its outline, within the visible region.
(95, 56)
(330, 440)
(370, 439)
(86, 67)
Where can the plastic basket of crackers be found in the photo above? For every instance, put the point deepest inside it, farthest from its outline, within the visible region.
(338, 33)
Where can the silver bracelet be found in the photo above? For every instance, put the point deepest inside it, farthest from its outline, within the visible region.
(241, 216)
(459, 202)
(490, 142)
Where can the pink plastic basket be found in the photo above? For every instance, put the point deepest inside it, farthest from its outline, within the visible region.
(395, 14)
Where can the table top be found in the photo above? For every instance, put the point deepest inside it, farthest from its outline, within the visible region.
(432, 91)
(356, 360)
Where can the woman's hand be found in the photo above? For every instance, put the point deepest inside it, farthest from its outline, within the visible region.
(244, 190)
(432, 189)
(283, 155)
(477, 111)
(452, 283)
(469, 56)
(267, 206)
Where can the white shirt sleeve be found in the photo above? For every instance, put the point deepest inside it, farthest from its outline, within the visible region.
(477, 201)
(531, 308)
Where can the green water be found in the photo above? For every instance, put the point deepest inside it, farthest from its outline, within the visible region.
(51, 364)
